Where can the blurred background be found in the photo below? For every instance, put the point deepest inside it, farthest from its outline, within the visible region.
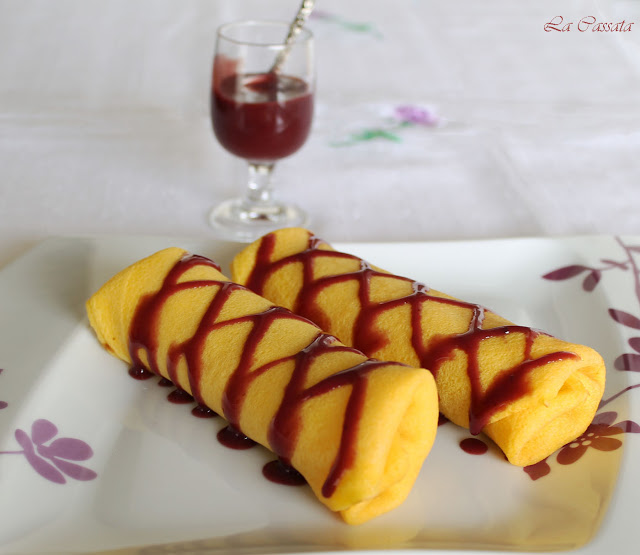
(434, 120)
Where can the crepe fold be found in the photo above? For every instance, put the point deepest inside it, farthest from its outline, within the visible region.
(358, 430)
(530, 392)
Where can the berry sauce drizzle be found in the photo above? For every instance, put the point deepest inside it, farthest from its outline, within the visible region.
(281, 473)
(234, 439)
(285, 425)
(203, 412)
(473, 446)
(179, 397)
(505, 389)
(139, 373)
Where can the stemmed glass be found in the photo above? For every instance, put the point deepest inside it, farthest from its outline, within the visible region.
(262, 108)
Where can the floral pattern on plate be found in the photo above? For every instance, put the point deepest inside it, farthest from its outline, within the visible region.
(53, 458)
(600, 433)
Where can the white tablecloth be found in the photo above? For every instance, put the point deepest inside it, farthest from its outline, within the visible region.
(104, 119)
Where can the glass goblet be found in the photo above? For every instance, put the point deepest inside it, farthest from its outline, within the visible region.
(262, 98)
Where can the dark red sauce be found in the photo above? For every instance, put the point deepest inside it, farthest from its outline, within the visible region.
(164, 382)
(234, 439)
(261, 117)
(140, 373)
(508, 387)
(284, 428)
(474, 446)
(179, 397)
(203, 412)
(281, 473)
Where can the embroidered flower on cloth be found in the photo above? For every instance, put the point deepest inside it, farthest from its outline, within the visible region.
(416, 115)
(346, 24)
(390, 125)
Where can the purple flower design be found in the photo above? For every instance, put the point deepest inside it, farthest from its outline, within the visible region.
(405, 115)
(415, 115)
(51, 458)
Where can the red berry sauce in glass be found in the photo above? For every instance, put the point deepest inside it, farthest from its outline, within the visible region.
(261, 117)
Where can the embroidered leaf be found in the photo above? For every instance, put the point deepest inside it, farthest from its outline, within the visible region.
(370, 134)
(625, 318)
(628, 362)
(390, 136)
(566, 272)
(357, 27)
(593, 277)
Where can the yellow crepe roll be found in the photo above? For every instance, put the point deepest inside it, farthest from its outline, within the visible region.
(530, 392)
(358, 430)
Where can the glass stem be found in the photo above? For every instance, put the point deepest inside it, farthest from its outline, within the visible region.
(259, 186)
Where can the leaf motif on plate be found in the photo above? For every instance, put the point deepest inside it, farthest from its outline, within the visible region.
(625, 318)
(566, 272)
(53, 461)
(628, 362)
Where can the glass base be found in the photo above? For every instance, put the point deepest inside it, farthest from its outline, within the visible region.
(236, 220)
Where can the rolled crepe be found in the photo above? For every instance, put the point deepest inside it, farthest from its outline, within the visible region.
(528, 391)
(358, 430)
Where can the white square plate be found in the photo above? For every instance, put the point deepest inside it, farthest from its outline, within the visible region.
(93, 461)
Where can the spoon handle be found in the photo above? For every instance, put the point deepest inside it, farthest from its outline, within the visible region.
(296, 26)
